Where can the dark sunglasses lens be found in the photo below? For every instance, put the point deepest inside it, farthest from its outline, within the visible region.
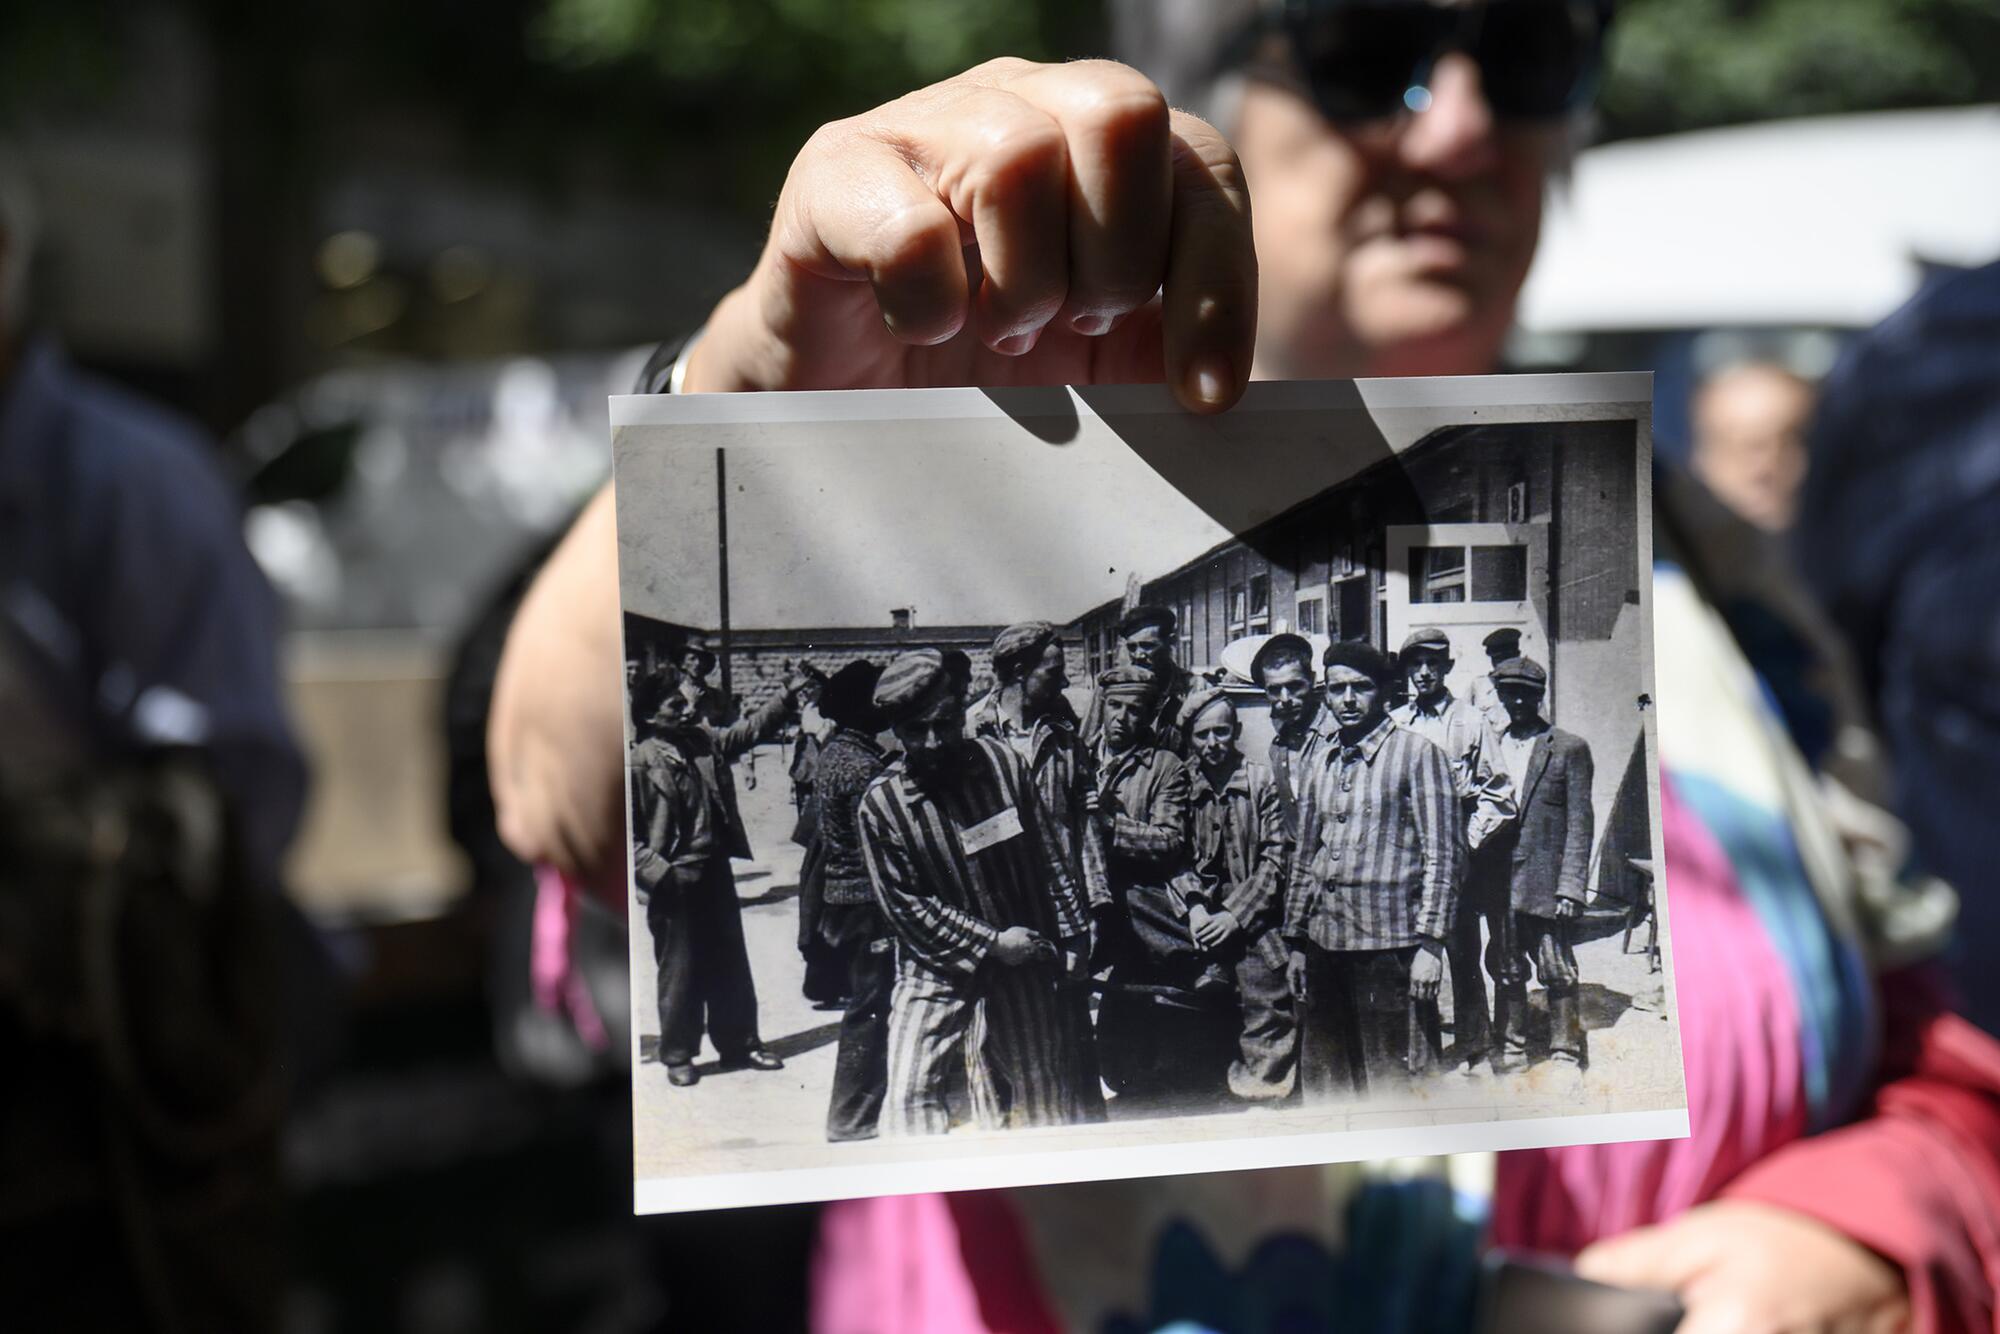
(1536, 57)
(1361, 58)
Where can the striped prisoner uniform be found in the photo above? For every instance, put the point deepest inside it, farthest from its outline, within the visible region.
(953, 866)
(1375, 873)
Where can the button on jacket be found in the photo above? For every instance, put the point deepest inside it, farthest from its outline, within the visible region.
(1381, 848)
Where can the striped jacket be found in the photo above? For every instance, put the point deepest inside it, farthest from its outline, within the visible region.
(1381, 847)
(1147, 789)
(1241, 845)
(1063, 775)
(1485, 791)
(954, 866)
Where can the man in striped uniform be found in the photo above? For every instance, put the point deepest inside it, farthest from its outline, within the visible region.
(988, 920)
(1283, 669)
(1485, 806)
(1373, 888)
(1027, 710)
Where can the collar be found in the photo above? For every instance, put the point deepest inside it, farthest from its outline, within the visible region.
(1237, 780)
(1370, 745)
(1417, 709)
(1542, 727)
(854, 736)
(907, 781)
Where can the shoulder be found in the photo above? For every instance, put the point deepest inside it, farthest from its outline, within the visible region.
(1568, 744)
(657, 757)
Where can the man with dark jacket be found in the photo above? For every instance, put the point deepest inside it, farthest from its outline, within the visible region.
(850, 922)
(1547, 851)
(685, 828)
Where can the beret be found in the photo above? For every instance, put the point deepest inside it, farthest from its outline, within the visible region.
(848, 697)
(907, 681)
(1200, 701)
(1521, 671)
(1027, 641)
(1129, 681)
(1426, 636)
(1140, 617)
(1282, 647)
(1363, 657)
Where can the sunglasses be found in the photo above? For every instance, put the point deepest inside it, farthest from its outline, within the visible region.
(1372, 59)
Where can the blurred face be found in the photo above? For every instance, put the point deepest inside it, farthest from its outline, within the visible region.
(1124, 721)
(1394, 246)
(1213, 736)
(1148, 646)
(1522, 702)
(1355, 699)
(931, 737)
(1499, 653)
(692, 664)
(1288, 686)
(1749, 442)
(1042, 687)
(1427, 671)
(675, 712)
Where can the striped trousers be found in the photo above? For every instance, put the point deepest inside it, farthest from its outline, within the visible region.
(1020, 1039)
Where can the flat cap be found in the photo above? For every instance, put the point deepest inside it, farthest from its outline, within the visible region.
(1200, 701)
(1425, 636)
(1142, 681)
(1521, 671)
(907, 681)
(1139, 618)
(1025, 642)
(1281, 648)
(1506, 634)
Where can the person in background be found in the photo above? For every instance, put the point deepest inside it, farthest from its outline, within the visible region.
(851, 924)
(697, 660)
(1486, 802)
(1545, 854)
(1899, 537)
(1241, 850)
(1146, 639)
(1373, 890)
(150, 640)
(1501, 645)
(685, 828)
(1749, 443)
(1027, 709)
(979, 955)
(1283, 670)
(1399, 166)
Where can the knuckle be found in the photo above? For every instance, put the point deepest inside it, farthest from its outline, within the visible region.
(1013, 148)
(909, 236)
(999, 69)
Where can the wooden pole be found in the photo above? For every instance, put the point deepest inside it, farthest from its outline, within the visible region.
(722, 574)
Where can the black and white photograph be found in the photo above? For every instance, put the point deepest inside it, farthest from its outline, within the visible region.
(1047, 784)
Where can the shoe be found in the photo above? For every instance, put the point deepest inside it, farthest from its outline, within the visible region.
(759, 1059)
(681, 1076)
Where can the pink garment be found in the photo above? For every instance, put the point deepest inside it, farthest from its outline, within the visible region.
(558, 987)
(1740, 1047)
(902, 1265)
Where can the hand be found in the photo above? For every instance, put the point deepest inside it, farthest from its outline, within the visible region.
(1008, 226)
(1568, 910)
(1018, 945)
(1295, 974)
(1738, 1266)
(1426, 971)
(555, 736)
(1213, 929)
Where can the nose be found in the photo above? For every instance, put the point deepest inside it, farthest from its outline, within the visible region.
(1454, 136)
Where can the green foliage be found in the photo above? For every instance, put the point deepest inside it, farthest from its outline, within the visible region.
(1685, 64)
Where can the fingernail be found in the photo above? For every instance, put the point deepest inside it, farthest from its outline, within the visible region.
(1090, 325)
(1209, 379)
(1017, 344)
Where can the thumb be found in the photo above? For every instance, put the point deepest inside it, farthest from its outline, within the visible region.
(1646, 1257)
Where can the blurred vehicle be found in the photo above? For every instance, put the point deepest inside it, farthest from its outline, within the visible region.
(389, 505)
(1771, 241)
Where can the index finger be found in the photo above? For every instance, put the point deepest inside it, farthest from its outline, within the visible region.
(1210, 296)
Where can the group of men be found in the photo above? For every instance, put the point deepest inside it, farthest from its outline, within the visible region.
(1023, 898)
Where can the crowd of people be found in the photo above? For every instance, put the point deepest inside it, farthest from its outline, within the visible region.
(1029, 906)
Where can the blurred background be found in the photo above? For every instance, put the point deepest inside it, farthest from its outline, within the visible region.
(393, 254)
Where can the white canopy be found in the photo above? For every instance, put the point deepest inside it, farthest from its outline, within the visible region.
(1810, 222)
